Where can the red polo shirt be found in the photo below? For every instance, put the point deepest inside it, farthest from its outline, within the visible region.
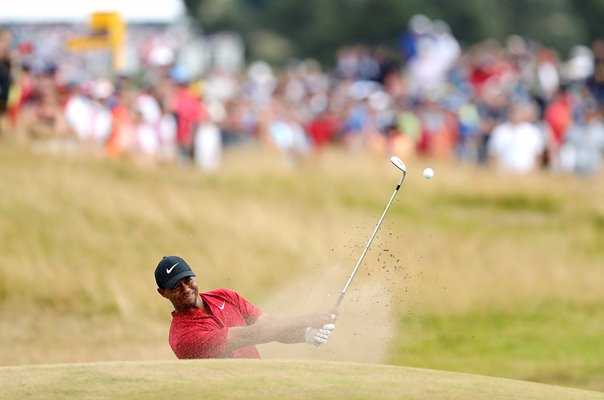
(202, 333)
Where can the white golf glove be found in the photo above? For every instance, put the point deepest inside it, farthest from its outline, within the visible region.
(318, 336)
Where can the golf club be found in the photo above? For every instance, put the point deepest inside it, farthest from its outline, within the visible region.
(400, 165)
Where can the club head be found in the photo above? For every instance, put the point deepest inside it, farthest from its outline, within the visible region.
(398, 163)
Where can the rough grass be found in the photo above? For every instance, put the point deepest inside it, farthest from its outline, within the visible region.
(472, 271)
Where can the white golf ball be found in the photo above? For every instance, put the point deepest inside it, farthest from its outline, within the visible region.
(428, 173)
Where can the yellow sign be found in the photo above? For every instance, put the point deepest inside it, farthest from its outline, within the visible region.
(107, 32)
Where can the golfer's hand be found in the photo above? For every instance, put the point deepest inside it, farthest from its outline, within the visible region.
(318, 336)
(333, 315)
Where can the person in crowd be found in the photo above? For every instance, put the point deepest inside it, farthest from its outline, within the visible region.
(581, 152)
(595, 82)
(87, 116)
(5, 72)
(44, 119)
(189, 112)
(517, 145)
(558, 118)
(121, 140)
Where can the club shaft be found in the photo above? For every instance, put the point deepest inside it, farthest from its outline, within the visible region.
(377, 227)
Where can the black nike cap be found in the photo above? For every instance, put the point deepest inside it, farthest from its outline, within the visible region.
(170, 270)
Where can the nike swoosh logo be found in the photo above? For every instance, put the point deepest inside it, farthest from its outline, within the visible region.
(222, 306)
(168, 270)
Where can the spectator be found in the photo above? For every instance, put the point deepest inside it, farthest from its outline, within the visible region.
(518, 144)
(596, 80)
(88, 117)
(493, 110)
(208, 139)
(581, 152)
(438, 130)
(21, 93)
(167, 128)
(558, 119)
(5, 72)
(323, 127)
(189, 112)
(44, 119)
(121, 140)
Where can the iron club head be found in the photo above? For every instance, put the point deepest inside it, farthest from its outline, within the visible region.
(398, 163)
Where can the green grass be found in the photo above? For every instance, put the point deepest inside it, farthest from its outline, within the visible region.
(543, 342)
(226, 379)
(475, 271)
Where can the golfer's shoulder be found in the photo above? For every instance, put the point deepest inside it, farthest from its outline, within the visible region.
(222, 293)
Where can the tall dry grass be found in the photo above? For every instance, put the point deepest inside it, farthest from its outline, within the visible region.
(80, 239)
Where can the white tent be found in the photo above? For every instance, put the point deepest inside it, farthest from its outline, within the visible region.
(79, 11)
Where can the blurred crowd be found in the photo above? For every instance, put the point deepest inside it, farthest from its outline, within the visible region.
(516, 105)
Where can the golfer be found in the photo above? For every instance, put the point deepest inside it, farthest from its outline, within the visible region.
(222, 324)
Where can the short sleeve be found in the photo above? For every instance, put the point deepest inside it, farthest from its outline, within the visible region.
(249, 312)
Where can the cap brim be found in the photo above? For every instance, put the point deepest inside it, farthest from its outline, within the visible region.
(174, 280)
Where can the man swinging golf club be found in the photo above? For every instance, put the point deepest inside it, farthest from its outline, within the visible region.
(223, 324)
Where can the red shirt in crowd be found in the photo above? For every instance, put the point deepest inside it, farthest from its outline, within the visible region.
(201, 333)
(559, 117)
(189, 112)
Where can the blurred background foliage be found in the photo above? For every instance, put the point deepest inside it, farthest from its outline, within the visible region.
(279, 29)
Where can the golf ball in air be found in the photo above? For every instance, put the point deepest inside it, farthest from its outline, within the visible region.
(428, 173)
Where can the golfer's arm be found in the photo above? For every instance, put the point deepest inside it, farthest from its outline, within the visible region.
(267, 329)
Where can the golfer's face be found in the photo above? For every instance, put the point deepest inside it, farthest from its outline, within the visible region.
(184, 295)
